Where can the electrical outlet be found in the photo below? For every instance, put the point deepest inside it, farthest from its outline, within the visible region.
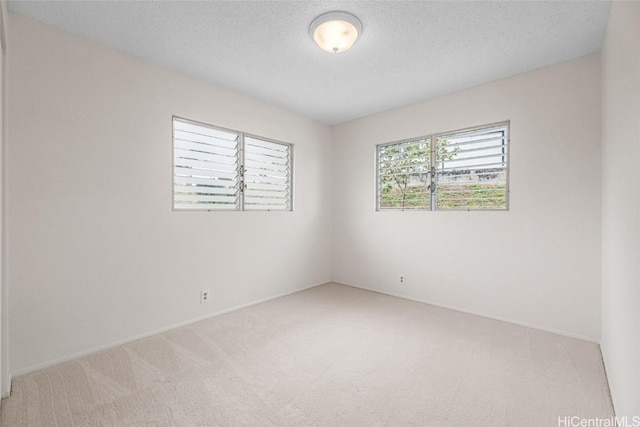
(204, 296)
(402, 279)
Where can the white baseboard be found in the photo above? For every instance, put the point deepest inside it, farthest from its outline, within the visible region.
(150, 333)
(475, 313)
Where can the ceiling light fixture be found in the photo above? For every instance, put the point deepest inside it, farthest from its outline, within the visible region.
(335, 32)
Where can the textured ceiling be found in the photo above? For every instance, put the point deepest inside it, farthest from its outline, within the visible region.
(409, 50)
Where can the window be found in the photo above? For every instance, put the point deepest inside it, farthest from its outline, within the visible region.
(472, 169)
(403, 175)
(267, 174)
(462, 170)
(220, 169)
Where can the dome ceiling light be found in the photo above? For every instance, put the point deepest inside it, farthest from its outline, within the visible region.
(336, 31)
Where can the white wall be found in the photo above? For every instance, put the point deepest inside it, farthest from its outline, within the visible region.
(95, 253)
(621, 206)
(4, 383)
(537, 264)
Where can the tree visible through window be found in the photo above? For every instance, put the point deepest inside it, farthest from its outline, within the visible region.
(465, 170)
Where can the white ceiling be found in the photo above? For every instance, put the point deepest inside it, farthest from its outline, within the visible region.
(409, 50)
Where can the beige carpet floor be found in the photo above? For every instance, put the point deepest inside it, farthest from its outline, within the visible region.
(329, 356)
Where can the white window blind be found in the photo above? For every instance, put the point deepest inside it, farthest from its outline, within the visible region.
(220, 169)
(463, 170)
(206, 167)
(267, 174)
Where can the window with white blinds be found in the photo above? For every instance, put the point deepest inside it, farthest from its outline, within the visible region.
(267, 175)
(461, 170)
(220, 169)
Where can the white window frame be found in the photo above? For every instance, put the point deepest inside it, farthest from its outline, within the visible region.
(434, 173)
(241, 169)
